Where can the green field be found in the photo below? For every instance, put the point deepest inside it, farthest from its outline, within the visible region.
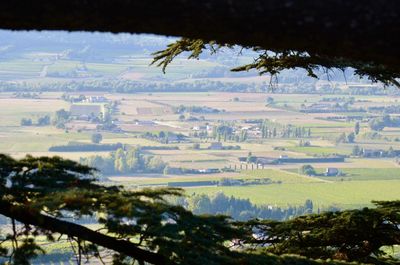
(279, 175)
(367, 174)
(357, 188)
(365, 185)
(351, 194)
(318, 150)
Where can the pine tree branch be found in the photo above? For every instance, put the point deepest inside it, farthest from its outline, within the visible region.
(32, 217)
(361, 31)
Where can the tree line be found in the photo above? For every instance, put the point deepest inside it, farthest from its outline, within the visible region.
(81, 147)
(378, 124)
(126, 86)
(41, 121)
(243, 209)
(164, 136)
(181, 109)
(272, 130)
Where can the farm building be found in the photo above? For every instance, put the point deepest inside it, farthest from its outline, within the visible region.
(99, 99)
(265, 161)
(199, 128)
(80, 110)
(145, 123)
(209, 170)
(373, 152)
(331, 172)
(216, 146)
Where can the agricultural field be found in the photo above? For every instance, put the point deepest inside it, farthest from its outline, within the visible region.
(363, 178)
(357, 189)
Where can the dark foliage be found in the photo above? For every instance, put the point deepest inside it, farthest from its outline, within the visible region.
(275, 61)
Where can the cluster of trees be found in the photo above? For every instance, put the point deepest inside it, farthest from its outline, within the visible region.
(378, 124)
(273, 130)
(196, 146)
(26, 95)
(132, 160)
(196, 109)
(96, 138)
(346, 138)
(304, 143)
(229, 147)
(41, 121)
(164, 137)
(178, 171)
(359, 151)
(350, 100)
(308, 170)
(26, 122)
(78, 72)
(246, 182)
(182, 117)
(73, 99)
(337, 107)
(106, 120)
(392, 109)
(349, 137)
(242, 209)
(202, 134)
(357, 128)
(81, 147)
(226, 131)
(61, 117)
(269, 100)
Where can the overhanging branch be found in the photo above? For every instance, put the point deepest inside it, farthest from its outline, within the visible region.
(28, 216)
(363, 31)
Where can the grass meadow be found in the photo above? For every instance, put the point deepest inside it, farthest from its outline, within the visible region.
(346, 194)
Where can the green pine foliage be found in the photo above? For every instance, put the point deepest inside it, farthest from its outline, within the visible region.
(275, 61)
(47, 196)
